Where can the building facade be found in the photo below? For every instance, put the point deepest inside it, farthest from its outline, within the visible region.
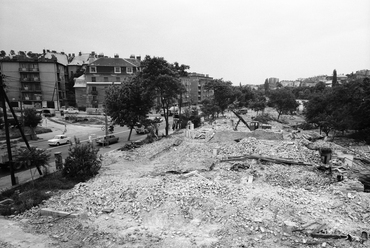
(195, 91)
(100, 74)
(35, 80)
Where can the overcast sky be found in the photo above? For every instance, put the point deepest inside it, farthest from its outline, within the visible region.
(242, 41)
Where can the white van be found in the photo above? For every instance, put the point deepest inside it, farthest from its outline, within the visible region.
(48, 112)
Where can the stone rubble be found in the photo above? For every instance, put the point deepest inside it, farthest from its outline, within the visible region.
(136, 202)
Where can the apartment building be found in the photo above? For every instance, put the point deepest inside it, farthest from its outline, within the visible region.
(100, 74)
(195, 90)
(35, 80)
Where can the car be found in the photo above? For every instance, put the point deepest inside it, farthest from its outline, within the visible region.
(107, 140)
(59, 140)
(71, 111)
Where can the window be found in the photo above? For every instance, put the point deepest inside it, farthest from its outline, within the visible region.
(93, 88)
(128, 70)
(92, 69)
(118, 79)
(105, 79)
(93, 79)
(117, 69)
(95, 98)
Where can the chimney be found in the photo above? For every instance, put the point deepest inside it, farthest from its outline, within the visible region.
(101, 55)
(62, 53)
(80, 53)
(54, 51)
(48, 51)
(73, 54)
(132, 56)
(44, 51)
(69, 55)
(116, 55)
(138, 58)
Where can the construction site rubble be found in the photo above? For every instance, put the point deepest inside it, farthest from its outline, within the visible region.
(187, 192)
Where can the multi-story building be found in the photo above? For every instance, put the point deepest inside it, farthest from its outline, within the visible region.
(99, 74)
(35, 80)
(273, 83)
(195, 90)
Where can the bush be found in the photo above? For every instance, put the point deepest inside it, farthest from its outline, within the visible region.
(82, 162)
(82, 108)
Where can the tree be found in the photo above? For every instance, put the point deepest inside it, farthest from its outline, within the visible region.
(128, 103)
(335, 79)
(35, 156)
(181, 70)
(266, 86)
(209, 109)
(163, 81)
(283, 101)
(83, 161)
(222, 93)
(31, 119)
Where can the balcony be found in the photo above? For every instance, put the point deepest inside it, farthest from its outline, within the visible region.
(32, 98)
(26, 69)
(30, 79)
(30, 89)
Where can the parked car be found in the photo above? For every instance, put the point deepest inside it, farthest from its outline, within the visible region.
(59, 140)
(48, 112)
(107, 140)
(71, 111)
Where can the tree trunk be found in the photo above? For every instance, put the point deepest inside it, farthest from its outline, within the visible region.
(129, 136)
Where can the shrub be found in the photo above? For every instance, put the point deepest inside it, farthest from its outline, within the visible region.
(82, 162)
(82, 108)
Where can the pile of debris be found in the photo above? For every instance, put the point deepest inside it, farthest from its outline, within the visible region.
(243, 192)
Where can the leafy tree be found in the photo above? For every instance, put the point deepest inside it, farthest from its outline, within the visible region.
(283, 101)
(34, 156)
(128, 103)
(82, 162)
(163, 81)
(209, 109)
(320, 87)
(31, 119)
(181, 70)
(222, 93)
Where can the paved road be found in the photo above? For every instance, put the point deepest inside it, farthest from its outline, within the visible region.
(82, 132)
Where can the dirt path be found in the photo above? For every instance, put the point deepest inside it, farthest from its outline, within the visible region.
(12, 236)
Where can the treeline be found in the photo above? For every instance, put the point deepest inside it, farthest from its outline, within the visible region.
(342, 108)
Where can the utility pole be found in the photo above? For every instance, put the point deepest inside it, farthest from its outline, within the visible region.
(9, 148)
(4, 99)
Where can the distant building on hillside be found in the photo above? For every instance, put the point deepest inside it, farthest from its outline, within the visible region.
(290, 83)
(361, 74)
(273, 83)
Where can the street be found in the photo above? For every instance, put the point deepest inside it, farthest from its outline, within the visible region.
(81, 132)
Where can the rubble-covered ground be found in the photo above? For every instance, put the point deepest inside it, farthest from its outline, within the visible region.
(178, 192)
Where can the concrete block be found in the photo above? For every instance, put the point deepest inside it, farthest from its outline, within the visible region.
(55, 213)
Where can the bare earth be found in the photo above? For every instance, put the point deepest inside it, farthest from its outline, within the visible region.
(176, 192)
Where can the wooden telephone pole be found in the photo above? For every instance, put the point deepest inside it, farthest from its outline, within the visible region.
(4, 99)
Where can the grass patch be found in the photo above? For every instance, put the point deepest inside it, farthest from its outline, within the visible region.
(33, 193)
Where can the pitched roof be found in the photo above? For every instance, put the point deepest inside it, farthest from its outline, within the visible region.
(80, 59)
(61, 58)
(113, 62)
